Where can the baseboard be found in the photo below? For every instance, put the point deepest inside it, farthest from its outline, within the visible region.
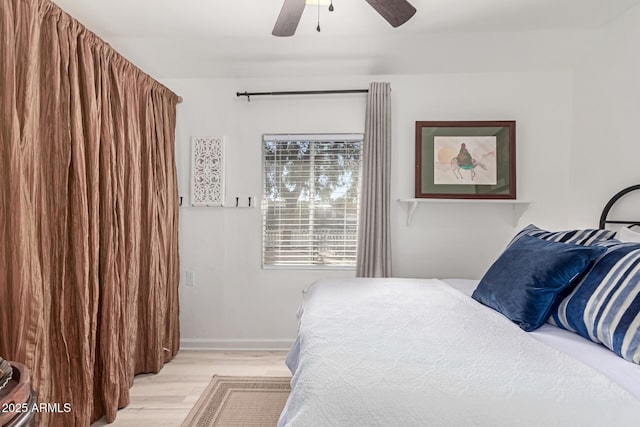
(236, 343)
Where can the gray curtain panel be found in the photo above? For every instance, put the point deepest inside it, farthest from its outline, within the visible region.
(374, 242)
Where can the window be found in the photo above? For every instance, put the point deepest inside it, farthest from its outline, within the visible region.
(311, 200)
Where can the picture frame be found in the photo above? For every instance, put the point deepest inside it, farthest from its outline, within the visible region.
(465, 159)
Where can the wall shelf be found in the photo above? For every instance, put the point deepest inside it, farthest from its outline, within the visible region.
(518, 206)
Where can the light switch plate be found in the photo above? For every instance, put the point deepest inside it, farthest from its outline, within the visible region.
(191, 278)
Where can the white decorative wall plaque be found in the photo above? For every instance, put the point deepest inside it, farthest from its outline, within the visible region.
(207, 171)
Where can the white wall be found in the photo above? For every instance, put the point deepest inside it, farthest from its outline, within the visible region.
(576, 146)
(462, 240)
(235, 303)
(605, 150)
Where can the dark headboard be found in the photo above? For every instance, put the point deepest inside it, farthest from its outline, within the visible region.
(605, 212)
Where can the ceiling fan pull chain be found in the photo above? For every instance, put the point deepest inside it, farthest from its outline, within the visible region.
(331, 6)
(318, 27)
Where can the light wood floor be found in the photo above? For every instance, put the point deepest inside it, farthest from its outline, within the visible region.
(165, 399)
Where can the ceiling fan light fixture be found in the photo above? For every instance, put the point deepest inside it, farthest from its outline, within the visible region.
(395, 12)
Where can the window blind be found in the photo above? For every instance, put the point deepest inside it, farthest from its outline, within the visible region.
(311, 200)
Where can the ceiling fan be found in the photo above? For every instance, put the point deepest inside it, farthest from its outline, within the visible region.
(396, 13)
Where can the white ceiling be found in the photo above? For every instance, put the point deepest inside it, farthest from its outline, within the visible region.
(232, 38)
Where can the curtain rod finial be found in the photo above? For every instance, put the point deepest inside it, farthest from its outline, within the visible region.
(245, 93)
(179, 100)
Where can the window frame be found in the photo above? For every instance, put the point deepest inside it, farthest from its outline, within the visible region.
(310, 137)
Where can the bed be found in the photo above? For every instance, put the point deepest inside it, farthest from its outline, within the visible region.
(425, 352)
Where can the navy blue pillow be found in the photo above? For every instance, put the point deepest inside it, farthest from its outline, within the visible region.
(525, 281)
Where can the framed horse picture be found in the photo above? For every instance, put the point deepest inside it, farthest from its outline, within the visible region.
(466, 160)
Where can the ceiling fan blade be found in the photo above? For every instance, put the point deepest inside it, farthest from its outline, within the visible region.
(289, 17)
(396, 12)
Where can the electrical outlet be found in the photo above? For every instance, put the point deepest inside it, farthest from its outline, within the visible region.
(191, 278)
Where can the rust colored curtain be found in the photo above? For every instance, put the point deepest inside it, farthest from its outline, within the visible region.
(88, 214)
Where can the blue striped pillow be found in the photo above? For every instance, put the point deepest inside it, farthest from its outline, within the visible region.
(604, 307)
(577, 237)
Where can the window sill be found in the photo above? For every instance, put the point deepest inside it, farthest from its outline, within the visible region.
(310, 267)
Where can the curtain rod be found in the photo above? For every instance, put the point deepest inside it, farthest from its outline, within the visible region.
(300, 92)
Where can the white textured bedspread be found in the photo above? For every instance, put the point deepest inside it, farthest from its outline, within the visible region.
(402, 352)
